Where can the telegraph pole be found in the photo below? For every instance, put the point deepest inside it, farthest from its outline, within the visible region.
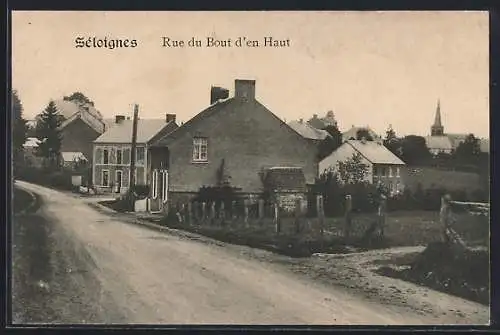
(132, 156)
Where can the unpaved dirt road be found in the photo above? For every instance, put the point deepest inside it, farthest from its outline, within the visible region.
(74, 264)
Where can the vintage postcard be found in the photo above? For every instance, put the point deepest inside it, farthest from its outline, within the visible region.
(250, 168)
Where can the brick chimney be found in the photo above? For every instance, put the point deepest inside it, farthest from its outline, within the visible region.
(170, 118)
(244, 89)
(119, 118)
(218, 93)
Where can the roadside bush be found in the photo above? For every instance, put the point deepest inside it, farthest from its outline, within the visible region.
(58, 179)
(142, 191)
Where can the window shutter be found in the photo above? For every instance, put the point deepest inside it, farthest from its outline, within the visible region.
(98, 156)
(126, 156)
(112, 156)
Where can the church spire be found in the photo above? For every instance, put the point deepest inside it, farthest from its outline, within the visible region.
(437, 128)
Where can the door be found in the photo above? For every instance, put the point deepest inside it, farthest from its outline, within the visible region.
(164, 188)
(155, 199)
(118, 181)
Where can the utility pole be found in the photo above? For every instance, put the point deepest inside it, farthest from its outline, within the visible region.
(132, 156)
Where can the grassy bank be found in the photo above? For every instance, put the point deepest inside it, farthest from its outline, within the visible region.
(21, 200)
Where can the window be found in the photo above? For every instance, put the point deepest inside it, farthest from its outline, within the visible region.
(105, 178)
(200, 149)
(139, 156)
(390, 171)
(398, 187)
(154, 184)
(105, 157)
(119, 156)
(398, 172)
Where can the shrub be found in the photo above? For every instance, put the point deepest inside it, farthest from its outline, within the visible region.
(142, 191)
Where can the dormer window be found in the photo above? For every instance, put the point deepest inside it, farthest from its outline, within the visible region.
(200, 149)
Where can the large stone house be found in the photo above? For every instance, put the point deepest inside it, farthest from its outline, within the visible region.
(384, 167)
(238, 134)
(111, 152)
(81, 125)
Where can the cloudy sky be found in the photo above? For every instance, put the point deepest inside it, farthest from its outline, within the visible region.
(370, 68)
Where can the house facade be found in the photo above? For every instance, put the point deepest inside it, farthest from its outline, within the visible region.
(238, 135)
(81, 125)
(384, 168)
(112, 152)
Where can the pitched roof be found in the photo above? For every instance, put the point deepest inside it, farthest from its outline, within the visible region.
(216, 107)
(375, 152)
(70, 156)
(484, 145)
(352, 132)
(31, 142)
(93, 122)
(285, 178)
(438, 142)
(308, 131)
(122, 132)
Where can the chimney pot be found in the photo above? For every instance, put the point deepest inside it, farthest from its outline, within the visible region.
(301, 121)
(244, 89)
(119, 118)
(170, 118)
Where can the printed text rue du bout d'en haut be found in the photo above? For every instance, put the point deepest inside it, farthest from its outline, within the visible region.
(212, 42)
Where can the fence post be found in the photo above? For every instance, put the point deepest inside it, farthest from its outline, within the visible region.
(382, 209)
(321, 214)
(212, 212)
(190, 212)
(233, 210)
(444, 216)
(245, 204)
(298, 212)
(277, 218)
(222, 212)
(348, 216)
(203, 211)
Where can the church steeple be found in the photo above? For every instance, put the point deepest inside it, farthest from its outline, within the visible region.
(437, 128)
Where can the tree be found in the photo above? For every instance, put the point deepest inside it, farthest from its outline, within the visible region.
(49, 134)
(352, 170)
(414, 150)
(330, 143)
(392, 142)
(19, 129)
(364, 133)
(79, 98)
(468, 151)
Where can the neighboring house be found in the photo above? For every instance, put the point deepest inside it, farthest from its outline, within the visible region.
(73, 159)
(239, 134)
(352, 133)
(309, 132)
(322, 123)
(81, 125)
(30, 156)
(439, 144)
(111, 152)
(383, 166)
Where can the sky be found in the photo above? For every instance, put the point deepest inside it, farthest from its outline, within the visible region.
(370, 68)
